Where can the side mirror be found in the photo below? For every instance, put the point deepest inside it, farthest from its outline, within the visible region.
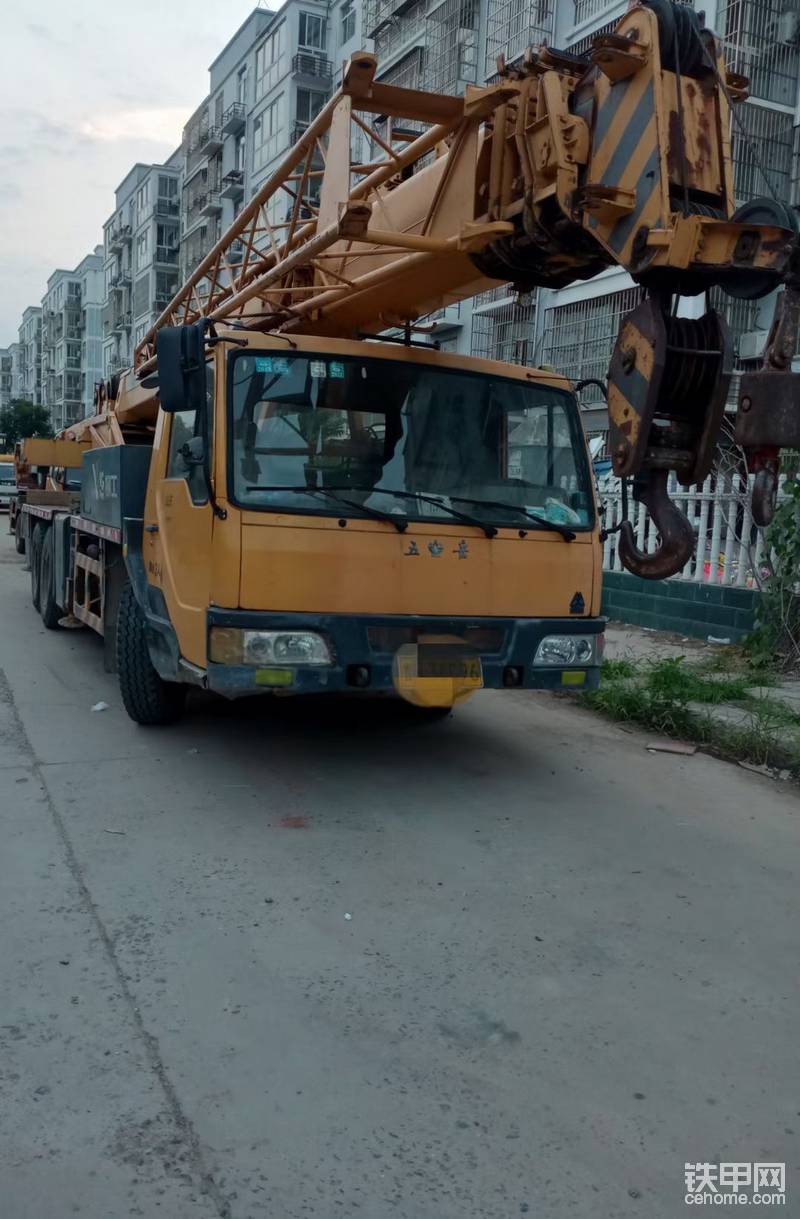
(181, 362)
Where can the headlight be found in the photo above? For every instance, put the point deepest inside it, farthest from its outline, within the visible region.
(231, 646)
(569, 650)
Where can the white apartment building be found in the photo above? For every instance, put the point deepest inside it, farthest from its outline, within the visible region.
(265, 87)
(6, 376)
(71, 340)
(16, 370)
(30, 342)
(140, 257)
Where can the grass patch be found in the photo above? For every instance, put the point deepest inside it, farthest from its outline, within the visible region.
(674, 679)
(657, 695)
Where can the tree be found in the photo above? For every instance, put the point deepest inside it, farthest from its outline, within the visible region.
(22, 418)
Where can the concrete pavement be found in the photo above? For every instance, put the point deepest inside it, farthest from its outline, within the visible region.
(570, 965)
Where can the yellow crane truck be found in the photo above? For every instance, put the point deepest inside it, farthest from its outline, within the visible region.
(290, 492)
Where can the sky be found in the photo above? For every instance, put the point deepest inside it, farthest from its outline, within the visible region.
(86, 90)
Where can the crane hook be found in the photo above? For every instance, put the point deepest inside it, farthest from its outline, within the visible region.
(677, 534)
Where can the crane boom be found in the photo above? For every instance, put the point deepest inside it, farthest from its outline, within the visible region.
(562, 168)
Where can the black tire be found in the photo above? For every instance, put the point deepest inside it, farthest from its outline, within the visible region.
(147, 698)
(19, 541)
(35, 561)
(50, 611)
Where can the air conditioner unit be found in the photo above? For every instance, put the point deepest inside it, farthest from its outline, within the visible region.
(751, 344)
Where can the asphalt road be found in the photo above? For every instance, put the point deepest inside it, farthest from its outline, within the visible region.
(570, 964)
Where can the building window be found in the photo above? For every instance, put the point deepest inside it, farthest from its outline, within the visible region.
(579, 338)
(142, 249)
(309, 103)
(167, 236)
(348, 28)
(267, 133)
(312, 32)
(167, 187)
(241, 85)
(143, 196)
(268, 60)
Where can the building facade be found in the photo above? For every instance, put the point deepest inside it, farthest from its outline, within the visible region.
(16, 370)
(265, 87)
(30, 342)
(6, 376)
(71, 340)
(141, 243)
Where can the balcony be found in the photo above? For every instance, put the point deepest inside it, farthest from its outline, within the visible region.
(120, 280)
(316, 66)
(232, 185)
(159, 304)
(166, 207)
(210, 204)
(125, 320)
(234, 119)
(166, 255)
(377, 13)
(236, 251)
(210, 141)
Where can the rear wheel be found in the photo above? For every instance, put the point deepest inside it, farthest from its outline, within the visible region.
(48, 607)
(35, 561)
(19, 541)
(147, 698)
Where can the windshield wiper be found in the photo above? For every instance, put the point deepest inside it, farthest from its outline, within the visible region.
(489, 530)
(400, 522)
(567, 534)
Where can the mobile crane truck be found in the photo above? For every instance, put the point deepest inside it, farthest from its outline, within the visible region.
(276, 499)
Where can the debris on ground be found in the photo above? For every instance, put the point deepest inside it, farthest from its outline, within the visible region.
(101, 706)
(671, 747)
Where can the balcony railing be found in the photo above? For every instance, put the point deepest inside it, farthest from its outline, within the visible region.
(210, 204)
(298, 131)
(166, 207)
(167, 255)
(210, 140)
(234, 119)
(159, 303)
(233, 185)
(308, 64)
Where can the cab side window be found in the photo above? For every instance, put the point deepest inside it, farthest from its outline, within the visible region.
(184, 427)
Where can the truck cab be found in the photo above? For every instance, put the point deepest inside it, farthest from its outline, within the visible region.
(337, 515)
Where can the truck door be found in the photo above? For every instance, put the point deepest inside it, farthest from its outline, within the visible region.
(178, 528)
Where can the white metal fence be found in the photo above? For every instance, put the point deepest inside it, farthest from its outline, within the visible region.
(730, 549)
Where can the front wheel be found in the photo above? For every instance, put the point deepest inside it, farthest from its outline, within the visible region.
(147, 698)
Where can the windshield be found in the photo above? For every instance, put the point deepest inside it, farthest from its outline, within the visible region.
(7, 472)
(385, 435)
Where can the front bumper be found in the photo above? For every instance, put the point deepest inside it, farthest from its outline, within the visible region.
(371, 642)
